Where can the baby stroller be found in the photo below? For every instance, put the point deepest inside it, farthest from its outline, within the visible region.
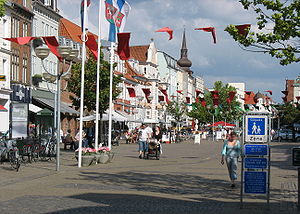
(154, 149)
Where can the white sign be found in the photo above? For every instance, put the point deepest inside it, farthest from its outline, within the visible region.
(256, 128)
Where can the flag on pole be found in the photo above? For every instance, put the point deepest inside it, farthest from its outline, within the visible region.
(210, 29)
(82, 14)
(113, 18)
(123, 46)
(168, 30)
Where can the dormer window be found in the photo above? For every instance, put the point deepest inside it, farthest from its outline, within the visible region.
(47, 2)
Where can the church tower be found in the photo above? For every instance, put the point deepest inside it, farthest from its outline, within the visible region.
(184, 62)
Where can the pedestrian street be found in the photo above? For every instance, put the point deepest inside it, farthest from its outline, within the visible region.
(188, 178)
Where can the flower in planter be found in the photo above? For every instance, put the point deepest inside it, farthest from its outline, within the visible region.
(103, 149)
(87, 151)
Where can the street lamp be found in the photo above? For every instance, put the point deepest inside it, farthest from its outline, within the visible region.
(209, 107)
(68, 54)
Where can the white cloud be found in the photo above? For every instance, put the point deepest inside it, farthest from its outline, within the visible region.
(222, 61)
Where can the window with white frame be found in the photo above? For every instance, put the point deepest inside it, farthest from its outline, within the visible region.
(43, 28)
(5, 28)
(33, 64)
(47, 30)
(25, 29)
(15, 65)
(24, 69)
(15, 26)
(34, 28)
(47, 2)
(4, 66)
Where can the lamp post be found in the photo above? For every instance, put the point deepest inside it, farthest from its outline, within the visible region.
(67, 53)
(213, 114)
(163, 104)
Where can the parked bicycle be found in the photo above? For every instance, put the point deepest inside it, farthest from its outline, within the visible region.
(47, 149)
(10, 152)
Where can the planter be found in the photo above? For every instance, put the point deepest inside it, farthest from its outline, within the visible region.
(86, 160)
(103, 158)
(111, 156)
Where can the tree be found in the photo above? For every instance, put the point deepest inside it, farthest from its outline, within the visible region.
(282, 41)
(2, 7)
(289, 115)
(74, 84)
(177, 110)
(224, 111)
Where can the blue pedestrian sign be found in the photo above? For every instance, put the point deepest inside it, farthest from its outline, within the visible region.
(256, 128)
(256, 163)
(255, 150)
(255, 182)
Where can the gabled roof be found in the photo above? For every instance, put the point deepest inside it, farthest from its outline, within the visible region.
(70, 30)
(139, 52)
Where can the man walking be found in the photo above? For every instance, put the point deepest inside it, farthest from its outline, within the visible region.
(143, 137)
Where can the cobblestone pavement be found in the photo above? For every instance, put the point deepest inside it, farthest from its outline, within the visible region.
(187, 179)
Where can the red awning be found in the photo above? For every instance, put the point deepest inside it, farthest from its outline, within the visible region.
(131, 92)
(2, 108)
(147, 93)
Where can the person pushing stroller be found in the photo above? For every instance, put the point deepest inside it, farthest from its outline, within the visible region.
(143, 138)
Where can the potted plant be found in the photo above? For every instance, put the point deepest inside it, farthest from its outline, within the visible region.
(87, 156)
(104, 155)
(36, 79)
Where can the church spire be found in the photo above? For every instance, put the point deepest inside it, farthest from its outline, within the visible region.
(184, 62)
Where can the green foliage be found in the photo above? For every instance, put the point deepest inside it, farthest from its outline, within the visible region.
(282, 41)
(2, 7)
(289, 114)
(177, 110)
(222, 112)
(74, 84)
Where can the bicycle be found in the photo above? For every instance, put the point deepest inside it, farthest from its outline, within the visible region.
(47, 148)
(10, 152)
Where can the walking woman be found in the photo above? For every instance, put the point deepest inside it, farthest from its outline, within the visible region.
(231, 151)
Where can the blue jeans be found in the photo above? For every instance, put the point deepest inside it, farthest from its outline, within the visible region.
(85, 143)
(143, 146)
(232, 167)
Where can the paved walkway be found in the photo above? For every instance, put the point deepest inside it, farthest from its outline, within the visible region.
(187, 179)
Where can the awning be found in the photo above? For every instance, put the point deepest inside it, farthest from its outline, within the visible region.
(130, 118)
(34, 108)
(115, 117)
(63, 107)
(45, 112)
(3, 109)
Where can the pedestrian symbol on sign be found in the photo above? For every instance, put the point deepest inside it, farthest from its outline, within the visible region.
(256, 126)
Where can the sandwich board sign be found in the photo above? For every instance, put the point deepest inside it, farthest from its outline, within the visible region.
(256, 128)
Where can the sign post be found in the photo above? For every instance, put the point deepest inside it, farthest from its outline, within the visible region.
(255, 168)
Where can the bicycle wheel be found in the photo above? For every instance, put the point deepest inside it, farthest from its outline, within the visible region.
(43, 153)
(35, 152)
(14, 159)
(52, 150)
(26, 154)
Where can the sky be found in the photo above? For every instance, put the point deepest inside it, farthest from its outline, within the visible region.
(224, 61)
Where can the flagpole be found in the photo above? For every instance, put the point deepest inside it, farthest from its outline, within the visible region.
(83, 54)
(110, 94)
(98, 78)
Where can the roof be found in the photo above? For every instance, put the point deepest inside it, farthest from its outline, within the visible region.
(70, 30)
(139, 52)
(249, 98)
